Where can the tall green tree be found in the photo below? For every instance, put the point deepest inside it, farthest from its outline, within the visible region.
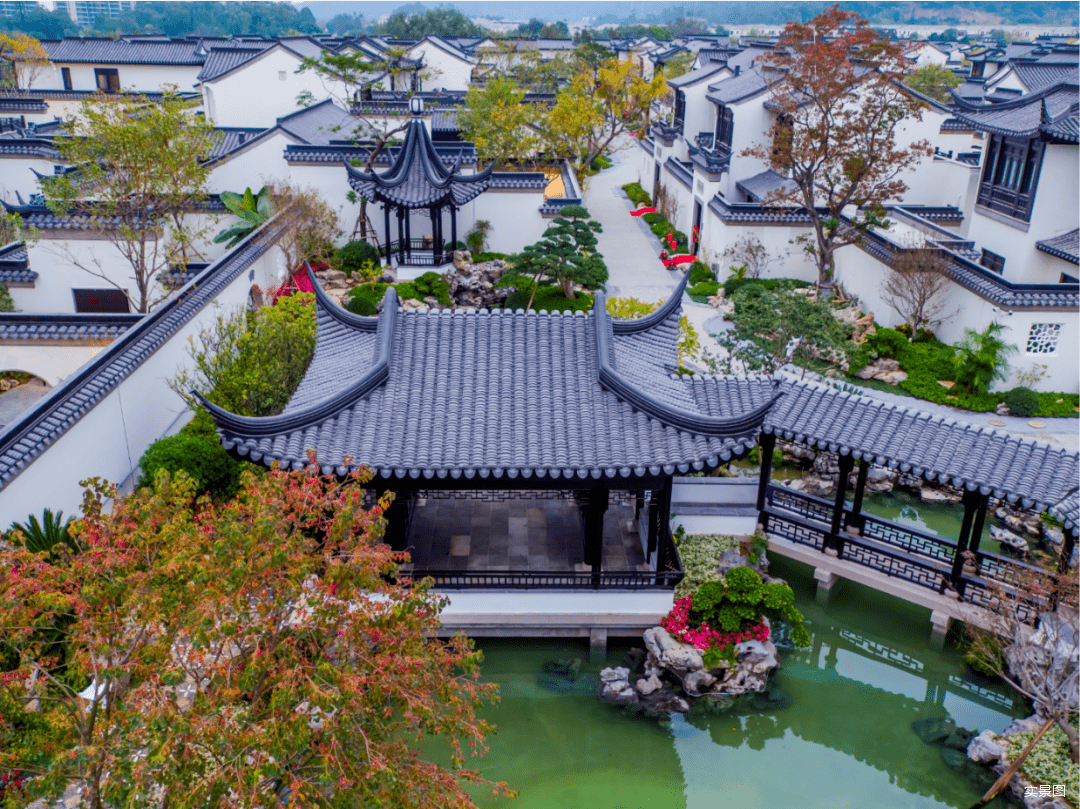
(497, 120)
(565, 256)
(839, 104)
(444, 22)
(144, 162)
(598, 106)
(251, 653)
(933, 81)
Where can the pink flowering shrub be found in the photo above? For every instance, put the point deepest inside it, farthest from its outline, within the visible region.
(723, 614)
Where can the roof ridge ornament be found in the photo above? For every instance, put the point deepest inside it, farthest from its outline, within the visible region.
(416, 106)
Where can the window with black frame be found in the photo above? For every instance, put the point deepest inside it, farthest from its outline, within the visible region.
(107, 79)
(1011, 175)
(725, 124)
(680, 110)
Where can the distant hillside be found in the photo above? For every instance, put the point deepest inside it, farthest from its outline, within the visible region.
(987, 12)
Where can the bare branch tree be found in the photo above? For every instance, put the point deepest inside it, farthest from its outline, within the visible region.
(915, 287)
(1043, 662)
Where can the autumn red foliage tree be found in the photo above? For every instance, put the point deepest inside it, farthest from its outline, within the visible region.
(839, 103)
(250, 653)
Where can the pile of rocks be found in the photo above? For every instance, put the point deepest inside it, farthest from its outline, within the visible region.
(989, 748)
(674, 670)
(885, 370)
(474, 285)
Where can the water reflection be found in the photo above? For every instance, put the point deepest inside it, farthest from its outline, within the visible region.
(844, 739)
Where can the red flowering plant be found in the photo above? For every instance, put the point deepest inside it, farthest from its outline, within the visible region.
(725, 613)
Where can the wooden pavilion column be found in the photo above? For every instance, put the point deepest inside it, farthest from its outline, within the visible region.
(846, 463)
(386, 217)
(767, 444)
(594, 531)
(971, 503)
(408, 232)
(1067, 551)
(860, 489)
(977, 527)
(453, 226)
(397, 520)
(400, 237)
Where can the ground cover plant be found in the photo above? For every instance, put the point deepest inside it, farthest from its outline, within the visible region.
(930, 362)
(320, 695)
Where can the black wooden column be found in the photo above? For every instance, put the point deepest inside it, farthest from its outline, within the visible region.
(977, 527)
(663, 521)
(408, 233)
(400, 237)
(397, 521)
(1067, 551)
(453, 226)
(846, 463)
(767, 445)
(860, 489)
(386, 216)
(436, 234)
(653, 525)
(594, 531)
(971, 503)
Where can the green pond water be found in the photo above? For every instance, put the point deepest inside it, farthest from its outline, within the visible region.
(943, 519)
(845, 740)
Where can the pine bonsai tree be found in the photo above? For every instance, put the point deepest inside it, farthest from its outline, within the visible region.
(566, 255)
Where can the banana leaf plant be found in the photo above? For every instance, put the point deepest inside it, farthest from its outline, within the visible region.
(253, 210)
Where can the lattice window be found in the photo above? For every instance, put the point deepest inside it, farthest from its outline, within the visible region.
(1043, 338)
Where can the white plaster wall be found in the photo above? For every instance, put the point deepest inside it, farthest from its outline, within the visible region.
(256, 95)
(52, 260)
(441, 70)
(16, 175)
(700, 114)
(514, 215)
(750, 126)
(260, 164)
(109, 440)
(331, 181)
(53, 363)
(790, 261)
(147, 78)
(863, 276)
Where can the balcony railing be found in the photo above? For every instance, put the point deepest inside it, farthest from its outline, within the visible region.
(898, 551)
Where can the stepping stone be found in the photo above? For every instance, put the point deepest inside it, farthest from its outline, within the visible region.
(1038, 425)
(460, 544)
(996, 422)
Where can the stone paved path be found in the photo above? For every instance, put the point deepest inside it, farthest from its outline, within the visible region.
(630, 249)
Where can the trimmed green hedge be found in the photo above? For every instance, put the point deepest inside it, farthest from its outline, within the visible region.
(551, 299)
(197, 450)
(733, 285)
(699, 271)
(428, 285)
(354, 256)
(1022, 401)
(637, 194)
(364, 299)
(706, 289)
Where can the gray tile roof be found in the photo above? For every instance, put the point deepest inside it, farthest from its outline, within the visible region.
(503, 395)
(232, 139)
(761, 185)
(78, 327)
(1037, 76)
(694, 76)
(303, 46)
(947, 450)
(1025, 116)
(122, 52)
(519, 179)
(755, 212)
(683, 173)
(35, 147)
(445, 120)
(418, 178)
(22, 441)
(514, 396)
(22, 104)
(320, 123)
(15, 265)
(747, 84)
(37, 214)
(224, 60)
(987, 285)
(1065, 245)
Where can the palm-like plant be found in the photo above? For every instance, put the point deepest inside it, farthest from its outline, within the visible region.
(253, 210)
(45, 536)
(982, 358)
